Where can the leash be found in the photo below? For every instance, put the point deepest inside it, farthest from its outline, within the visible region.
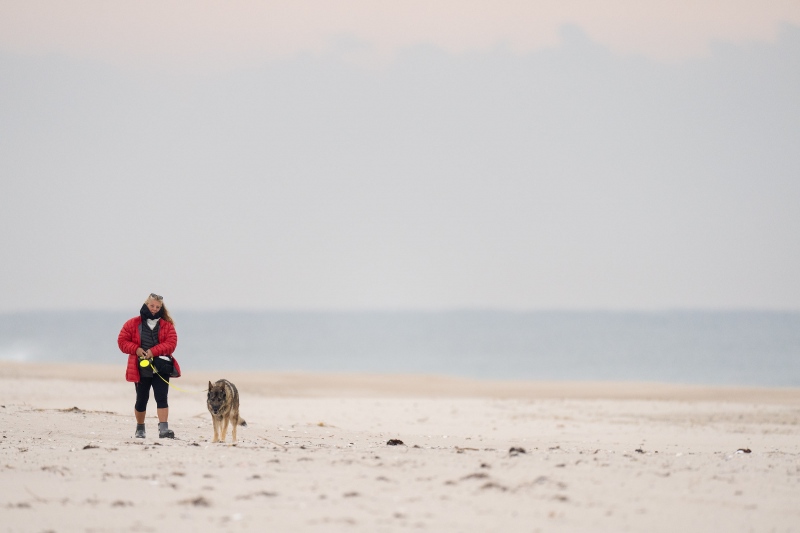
(144, 363)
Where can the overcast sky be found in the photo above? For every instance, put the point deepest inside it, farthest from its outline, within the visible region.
(423, 155)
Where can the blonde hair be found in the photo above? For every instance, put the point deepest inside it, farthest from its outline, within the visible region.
(165, 314)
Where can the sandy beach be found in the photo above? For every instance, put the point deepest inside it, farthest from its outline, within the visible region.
(475, 455)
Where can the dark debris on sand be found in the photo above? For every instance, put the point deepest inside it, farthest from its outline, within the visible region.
(197, 502)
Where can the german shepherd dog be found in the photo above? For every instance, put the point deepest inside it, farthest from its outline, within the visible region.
(223, 404)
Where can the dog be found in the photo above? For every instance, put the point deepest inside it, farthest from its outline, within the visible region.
(223, 404)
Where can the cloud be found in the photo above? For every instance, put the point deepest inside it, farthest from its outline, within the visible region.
(569, 177)
(215, 34)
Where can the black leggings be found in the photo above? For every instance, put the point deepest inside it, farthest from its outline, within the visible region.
(160, 391)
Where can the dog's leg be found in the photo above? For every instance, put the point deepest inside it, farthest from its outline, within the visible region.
(216, 428)
(225, 426)
(235, 422)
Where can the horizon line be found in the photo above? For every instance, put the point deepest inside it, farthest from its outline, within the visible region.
(419, 310)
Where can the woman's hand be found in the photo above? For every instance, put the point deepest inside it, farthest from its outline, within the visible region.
(148, 354)
(139, 352)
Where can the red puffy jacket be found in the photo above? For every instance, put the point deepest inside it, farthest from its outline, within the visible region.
(129, 340)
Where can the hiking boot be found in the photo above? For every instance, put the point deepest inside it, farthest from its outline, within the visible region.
(164, 432)
(139, 431)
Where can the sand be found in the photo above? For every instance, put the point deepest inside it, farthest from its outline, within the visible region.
(475, 455)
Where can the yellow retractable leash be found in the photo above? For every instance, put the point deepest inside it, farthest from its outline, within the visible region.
(144, 363)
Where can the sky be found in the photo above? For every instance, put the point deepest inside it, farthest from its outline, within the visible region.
(311, 155)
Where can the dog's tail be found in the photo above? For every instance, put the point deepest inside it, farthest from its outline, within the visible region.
(242, 422)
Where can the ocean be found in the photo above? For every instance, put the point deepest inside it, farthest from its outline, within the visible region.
(755, 348)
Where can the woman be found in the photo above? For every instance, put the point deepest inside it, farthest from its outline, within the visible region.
(151, 337)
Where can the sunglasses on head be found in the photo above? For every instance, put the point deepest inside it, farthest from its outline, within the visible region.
(155, 296)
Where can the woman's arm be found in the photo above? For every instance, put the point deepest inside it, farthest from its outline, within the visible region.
(127, 340)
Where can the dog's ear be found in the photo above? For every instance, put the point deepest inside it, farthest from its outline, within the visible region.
(210, 386)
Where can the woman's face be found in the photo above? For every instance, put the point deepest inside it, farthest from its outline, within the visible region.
(153, 305)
